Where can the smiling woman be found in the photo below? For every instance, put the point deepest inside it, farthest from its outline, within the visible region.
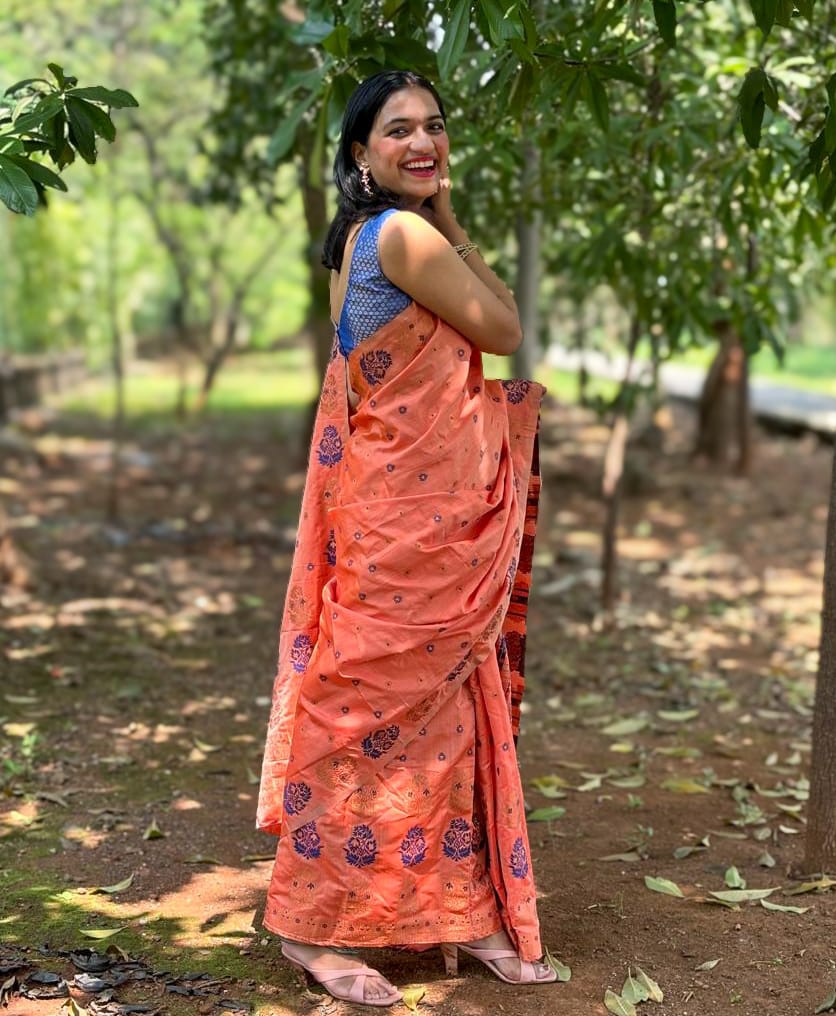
(390, 771)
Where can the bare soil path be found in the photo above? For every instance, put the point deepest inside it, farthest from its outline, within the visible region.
(136, 674)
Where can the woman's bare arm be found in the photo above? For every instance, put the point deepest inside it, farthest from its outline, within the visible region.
(421, 261)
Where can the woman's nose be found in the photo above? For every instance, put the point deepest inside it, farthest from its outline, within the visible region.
(422, 142)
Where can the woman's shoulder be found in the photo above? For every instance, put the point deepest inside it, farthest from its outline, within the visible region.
(401, 229)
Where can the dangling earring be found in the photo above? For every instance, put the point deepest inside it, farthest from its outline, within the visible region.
(365, 178)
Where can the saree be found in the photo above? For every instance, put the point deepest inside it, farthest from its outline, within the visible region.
(390, 771)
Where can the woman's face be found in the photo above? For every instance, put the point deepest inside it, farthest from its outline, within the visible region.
(407, 148)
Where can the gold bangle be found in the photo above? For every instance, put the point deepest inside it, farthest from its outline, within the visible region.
(464, 250)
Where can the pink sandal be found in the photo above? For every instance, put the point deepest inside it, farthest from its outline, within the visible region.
(528, 972)
(356, 993)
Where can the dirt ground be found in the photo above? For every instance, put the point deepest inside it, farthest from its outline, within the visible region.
(136, 674)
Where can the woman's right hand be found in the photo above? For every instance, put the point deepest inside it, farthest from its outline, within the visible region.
(438, 210)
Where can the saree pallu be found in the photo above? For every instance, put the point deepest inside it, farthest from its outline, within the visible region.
(390, 770)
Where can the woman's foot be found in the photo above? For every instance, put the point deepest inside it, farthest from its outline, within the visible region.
(508, 968)
(335, 972)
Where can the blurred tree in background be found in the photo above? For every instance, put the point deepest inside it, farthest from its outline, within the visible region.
(226, 286)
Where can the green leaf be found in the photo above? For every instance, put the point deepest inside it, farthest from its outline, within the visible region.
(742, 895)
(283, 138)
(522, 90)
(500, 24)
(682, 852)
(10, 145)
(633, 990)
(628, 782)
(455, 38)
(22, 84)
(117, 98)
(770, 92)
(752, 104)
(733, 879)
(597, 100)
(764, 12)
(663, 885)
(37, 172)
(820, 885)
(312, 32)
(829, 1003)
(97, 117)
(110, 890)
(654, 992)
(82, 133)
(563, 972)
(677, 715)
(58, 73)
(622, 728)
(617, 1005)
(546, 814)
(43, 111)
(550, 786)
(201, 859)
(529, 26)
(830, 131)
(664, 13)
(683, 786)
(336, 42)
(17, 192)
(707, 965)
(784, 909)
(117, 887)
(100, 933)
(153, 832)
(783, 14)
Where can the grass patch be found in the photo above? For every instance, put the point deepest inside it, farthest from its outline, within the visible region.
(810, 368)
(280, 383)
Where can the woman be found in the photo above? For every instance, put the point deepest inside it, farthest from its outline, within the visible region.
(390, 769)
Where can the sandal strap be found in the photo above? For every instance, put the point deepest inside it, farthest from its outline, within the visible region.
(335, 973)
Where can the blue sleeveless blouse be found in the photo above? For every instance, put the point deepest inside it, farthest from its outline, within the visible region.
(371, 300)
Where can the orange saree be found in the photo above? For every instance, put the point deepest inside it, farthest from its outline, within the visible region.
(390, 772)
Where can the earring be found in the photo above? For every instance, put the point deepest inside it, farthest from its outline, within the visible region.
(365, 178)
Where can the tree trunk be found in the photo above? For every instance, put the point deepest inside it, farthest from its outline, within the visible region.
(579, 346)
(820, 852)
(527, 289)
(218, 357)
(318, 323)
(612, 480)
(724, 419)
(314, 203)
(611, 489)
(116, 346)
(13, 571)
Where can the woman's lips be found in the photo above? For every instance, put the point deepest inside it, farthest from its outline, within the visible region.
(421, 168)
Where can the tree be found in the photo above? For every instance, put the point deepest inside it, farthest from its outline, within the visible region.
(820, 843)
(668, 128)
(59, 120)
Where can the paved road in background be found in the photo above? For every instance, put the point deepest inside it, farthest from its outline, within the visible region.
(793, 408)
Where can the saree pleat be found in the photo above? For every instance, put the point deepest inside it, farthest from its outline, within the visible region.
(390, 771)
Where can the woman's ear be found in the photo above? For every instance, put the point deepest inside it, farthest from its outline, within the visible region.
(358, 153)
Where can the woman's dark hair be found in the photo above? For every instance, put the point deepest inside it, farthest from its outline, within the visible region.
(360, 112)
